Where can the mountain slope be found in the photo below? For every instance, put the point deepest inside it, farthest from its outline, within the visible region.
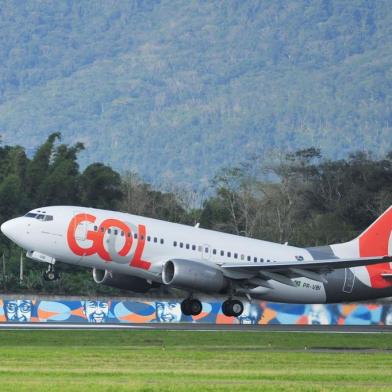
(177, 89)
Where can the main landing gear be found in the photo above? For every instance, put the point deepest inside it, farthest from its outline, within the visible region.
(232, 307)
(191, 307)
(51, 274)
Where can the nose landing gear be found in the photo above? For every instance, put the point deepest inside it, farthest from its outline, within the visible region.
(232, 308)
(51, 274)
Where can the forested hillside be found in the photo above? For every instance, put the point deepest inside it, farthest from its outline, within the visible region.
(175, 89)
(300, 198)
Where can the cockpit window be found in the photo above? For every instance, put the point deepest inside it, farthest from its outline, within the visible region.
(41, 217)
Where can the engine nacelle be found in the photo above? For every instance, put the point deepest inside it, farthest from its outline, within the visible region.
(122, 281)
(191, 275)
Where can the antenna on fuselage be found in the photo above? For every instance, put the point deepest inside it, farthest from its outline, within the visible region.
(197, 225)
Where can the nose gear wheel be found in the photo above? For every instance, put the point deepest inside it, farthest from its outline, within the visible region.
(51, 274)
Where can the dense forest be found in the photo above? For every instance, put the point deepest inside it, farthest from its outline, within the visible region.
(300, 198)
(176, 89)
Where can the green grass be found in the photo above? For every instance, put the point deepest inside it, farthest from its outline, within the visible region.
(193, 361)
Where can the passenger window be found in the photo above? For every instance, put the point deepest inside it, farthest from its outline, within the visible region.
(262, 260)
(129, 235)
(181, 245)
(193, 247)
(148, 238)
(122, 233)
(142, 238)
(155, 239)
(187, 246)
(222, 253)
(235, 255)
(95, 228)
(135, 236)
(102, 229)
(200, 248)
(115, 232)
(206, 250)
(242, 257)
(228, 254)
(249, 258)
(109, 231)
(162, 241)
(214, 251)
(255, 259)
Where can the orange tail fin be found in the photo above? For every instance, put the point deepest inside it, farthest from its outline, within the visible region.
(376, 240)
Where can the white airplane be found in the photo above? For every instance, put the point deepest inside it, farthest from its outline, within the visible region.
(137, 253)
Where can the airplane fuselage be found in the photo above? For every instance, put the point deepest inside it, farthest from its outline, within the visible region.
(138, 246)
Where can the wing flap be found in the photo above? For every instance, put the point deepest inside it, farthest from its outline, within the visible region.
(311, 265)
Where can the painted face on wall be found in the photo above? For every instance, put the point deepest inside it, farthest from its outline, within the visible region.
(168, 312)
(318, 315)
(251, 314)
(388, 316)
(96, 311)
(18, 310)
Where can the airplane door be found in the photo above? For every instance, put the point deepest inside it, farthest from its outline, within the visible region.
(349, 279)
(206, 252)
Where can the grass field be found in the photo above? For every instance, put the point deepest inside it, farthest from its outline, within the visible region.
(193, 361)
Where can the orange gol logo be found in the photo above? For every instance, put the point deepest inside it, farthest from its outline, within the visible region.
(97, 239)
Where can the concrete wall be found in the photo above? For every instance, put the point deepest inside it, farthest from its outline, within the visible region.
(95, 310)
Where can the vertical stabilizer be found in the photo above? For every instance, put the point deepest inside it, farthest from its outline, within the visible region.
(376, 240)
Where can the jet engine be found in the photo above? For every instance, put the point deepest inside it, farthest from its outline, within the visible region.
(122, 281)
(191, 275)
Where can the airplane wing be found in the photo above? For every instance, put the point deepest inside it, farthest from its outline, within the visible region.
(312, 265)
(283, 271)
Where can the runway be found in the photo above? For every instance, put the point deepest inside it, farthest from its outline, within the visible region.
(203, 327)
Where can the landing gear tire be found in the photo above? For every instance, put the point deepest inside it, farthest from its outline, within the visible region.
(232, 308)
(191, 307)
(51, 274)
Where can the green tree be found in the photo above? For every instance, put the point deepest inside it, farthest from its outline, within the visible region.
(61, 183)
(39, 167)
(100, 187)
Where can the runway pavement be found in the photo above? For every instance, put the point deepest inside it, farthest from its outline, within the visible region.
(205, 327)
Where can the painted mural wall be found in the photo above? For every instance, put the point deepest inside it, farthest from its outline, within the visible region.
(167, 311)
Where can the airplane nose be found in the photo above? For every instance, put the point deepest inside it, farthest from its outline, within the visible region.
(9, 228)
(5, 227)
